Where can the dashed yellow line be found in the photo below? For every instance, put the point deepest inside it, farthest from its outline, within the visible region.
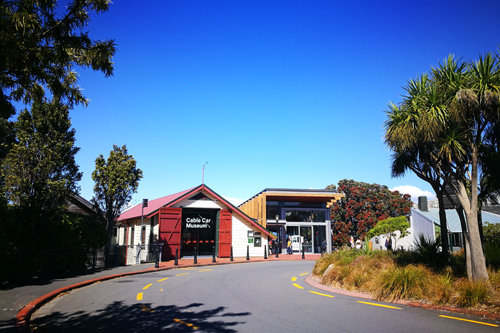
(294, 278)
(303, 274)
(470, 321)
(296, 285)
(161, 280)
(381, 305)
(139, 296)
(321, 294)
(184, 323)
(146, 287)
(205, 270)
(182, 274)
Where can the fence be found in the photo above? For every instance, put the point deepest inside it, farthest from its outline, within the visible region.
(53, 262)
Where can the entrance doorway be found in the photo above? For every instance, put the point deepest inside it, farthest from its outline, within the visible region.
(310, 237)
(199, 228)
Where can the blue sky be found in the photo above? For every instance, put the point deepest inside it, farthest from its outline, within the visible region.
(287, 94)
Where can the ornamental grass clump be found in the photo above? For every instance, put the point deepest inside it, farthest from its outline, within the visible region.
(342, 258)
(471, 293)
(402, 282)
(441, 288)
(494, 279)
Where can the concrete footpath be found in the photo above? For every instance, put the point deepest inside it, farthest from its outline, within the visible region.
(19, 302)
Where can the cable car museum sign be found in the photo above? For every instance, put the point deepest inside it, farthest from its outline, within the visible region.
(198, 223)
(199, 218)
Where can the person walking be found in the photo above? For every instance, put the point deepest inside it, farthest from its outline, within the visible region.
(388, 244)
(289, 246)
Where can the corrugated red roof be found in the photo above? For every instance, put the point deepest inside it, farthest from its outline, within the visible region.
(153, 205)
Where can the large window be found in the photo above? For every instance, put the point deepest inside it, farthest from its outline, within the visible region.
(318, 209)
(297, 215)
(272, 209)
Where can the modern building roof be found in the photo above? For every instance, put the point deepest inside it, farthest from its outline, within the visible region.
(452, 219)
(290, 193)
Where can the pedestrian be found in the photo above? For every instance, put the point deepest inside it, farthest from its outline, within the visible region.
(388, 244)
(289, 246)
(323, 246)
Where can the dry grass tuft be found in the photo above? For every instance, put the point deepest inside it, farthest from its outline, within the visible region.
(402, 283)
(470, 293)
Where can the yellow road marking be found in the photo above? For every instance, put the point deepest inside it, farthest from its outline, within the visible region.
(184, 323)
(146, 287)
(321, 294)
(294, 278)
(296, 285)
(303, 274)
(381, 305)
(470, 321)
(205, 270)
(182, 274)
(146, 309)
(161, 289)
(139, 296)
(160, 280)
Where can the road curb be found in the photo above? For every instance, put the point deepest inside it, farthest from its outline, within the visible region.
(485, 314)
(24, 315)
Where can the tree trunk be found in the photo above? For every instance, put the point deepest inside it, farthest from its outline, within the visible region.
(478, 262)
(445, 244)
(478, 269)
(465, 239)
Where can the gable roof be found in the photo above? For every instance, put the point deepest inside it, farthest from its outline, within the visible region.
(153, 206)
(170, 200)
(452, 219)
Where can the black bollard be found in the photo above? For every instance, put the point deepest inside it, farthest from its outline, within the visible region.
(303, 256)
(265, 251)
(176, 262)
(231, 259)
(277, 255)
(248, 252)
(213, 253)
(195, 255)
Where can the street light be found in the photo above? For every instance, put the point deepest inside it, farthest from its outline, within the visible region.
(277, 235)
(143, 231)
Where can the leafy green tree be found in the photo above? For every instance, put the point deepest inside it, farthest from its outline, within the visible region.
(362, 207)
(40, 170)
(41, 45)
(388, 227)
(116, 179)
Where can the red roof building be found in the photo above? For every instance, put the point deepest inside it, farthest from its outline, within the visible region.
(197, 220)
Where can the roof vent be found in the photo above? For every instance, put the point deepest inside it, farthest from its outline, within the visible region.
(422, 204)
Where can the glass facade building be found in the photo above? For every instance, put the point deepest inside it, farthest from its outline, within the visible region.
(301, 215)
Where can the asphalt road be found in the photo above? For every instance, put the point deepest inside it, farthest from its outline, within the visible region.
(251, 297)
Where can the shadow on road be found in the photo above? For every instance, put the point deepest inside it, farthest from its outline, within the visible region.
(118, 317)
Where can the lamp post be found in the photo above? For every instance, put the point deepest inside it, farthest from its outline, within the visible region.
(143, 232)
(277, 235)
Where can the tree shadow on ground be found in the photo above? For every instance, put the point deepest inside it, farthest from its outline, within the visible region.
(118, 317)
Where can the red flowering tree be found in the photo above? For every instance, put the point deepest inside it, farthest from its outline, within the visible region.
(362, 207)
